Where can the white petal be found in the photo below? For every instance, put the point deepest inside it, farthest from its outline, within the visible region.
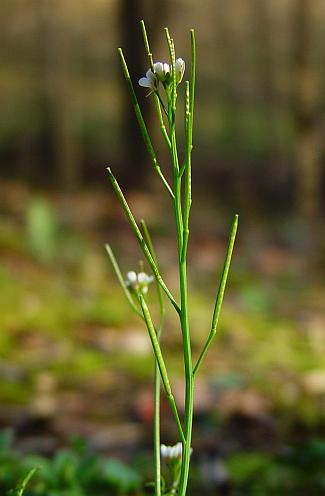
(179, 64)
(142, 278)
(163, 450)
(166, 68)
(159, 69)
(150, 75)
(168, 451)
(132, 277)
(178, 450)
(145, 83)
(180, 69)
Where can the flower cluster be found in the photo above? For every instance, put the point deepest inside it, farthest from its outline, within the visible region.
(162, 74)
(138, 283)
(172, 452)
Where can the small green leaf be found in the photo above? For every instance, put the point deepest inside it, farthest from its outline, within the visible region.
(121, 476)
(20, 489)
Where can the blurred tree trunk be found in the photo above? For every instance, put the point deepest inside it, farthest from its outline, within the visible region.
(266, 73)
(58, 94)
(264, 69)
(306, 118)
(231, 59)
(135, 162)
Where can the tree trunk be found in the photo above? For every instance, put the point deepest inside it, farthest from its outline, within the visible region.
(135, 163)
(58, 96)
(306, 116)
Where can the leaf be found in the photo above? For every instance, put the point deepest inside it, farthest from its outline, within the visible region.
(20, 489)
(121, 476)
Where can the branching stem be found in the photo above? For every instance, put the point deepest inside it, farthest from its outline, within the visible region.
(220, 294)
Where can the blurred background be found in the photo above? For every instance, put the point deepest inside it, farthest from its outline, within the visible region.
(74, 360)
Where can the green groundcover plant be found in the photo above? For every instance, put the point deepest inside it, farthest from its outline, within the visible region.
(163, 80)
(77, 471)
(20, 489)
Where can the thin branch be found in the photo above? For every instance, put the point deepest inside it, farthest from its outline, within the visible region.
(158, 101)
(146, 43)
(142, 124)
(193, 78)
(159, 104)
(188, 172)
(157, 379)
(161, 363)
(149, 243)
(121, 280)
(171, 48)
(220, 294)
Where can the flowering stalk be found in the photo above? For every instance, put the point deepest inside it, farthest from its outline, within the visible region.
(162, 79)
(156, 400)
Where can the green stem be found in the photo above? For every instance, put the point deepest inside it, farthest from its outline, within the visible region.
(157, 94)
(193, 76)
(182, 251)
(220, 294)
(189, 378)
(156, 430)
(177, 186)
(163, 130)
(149, 243)
(146, 43)
(182, 230)
(178, 212)
(161, 363)
(121, 280)
(156, 425)
(187, 170)
(189, 383)
(172, 56)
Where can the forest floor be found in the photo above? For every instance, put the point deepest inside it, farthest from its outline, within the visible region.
(76, 362)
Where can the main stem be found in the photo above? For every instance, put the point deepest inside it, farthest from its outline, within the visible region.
(156, 433)
(182, 236)
(189, 384)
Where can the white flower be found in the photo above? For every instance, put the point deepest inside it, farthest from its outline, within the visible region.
(144, 280)
(163, 450)
(131, 277)
(162, 70)
(149, 81)
(138, 282)
(172, 452)
(179, 69)
(162, 73)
